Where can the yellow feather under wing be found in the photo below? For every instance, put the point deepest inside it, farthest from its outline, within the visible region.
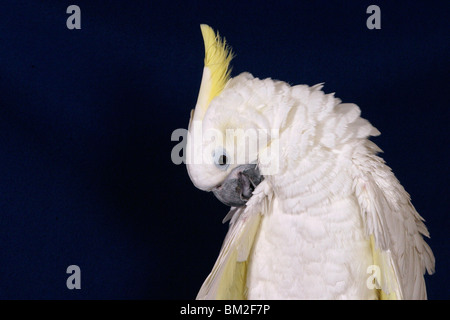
(232, 284)
(388, 281)
(228, 278)
(217, 58)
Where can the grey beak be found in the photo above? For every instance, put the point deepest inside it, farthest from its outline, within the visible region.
(238, 186)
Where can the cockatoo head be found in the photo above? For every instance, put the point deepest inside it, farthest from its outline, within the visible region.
(245, 129)
(226, 131)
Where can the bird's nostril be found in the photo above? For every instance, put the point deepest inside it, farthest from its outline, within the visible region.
(245, 186)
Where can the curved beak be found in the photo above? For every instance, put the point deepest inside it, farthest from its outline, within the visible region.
(238, 186)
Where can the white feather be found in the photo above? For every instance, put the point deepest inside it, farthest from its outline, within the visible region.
(329, 198)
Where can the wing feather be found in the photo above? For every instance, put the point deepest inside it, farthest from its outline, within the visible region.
(397, 229)
(227, 280)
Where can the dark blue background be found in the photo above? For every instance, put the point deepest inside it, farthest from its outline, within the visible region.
(86, 118)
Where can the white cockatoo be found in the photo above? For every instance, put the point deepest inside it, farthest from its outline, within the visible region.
(315, 213)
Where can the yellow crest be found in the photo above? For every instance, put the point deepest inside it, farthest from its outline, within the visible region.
(216, 72)
(217, 58)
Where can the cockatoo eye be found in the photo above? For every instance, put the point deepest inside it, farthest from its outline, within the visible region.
(221, 159)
